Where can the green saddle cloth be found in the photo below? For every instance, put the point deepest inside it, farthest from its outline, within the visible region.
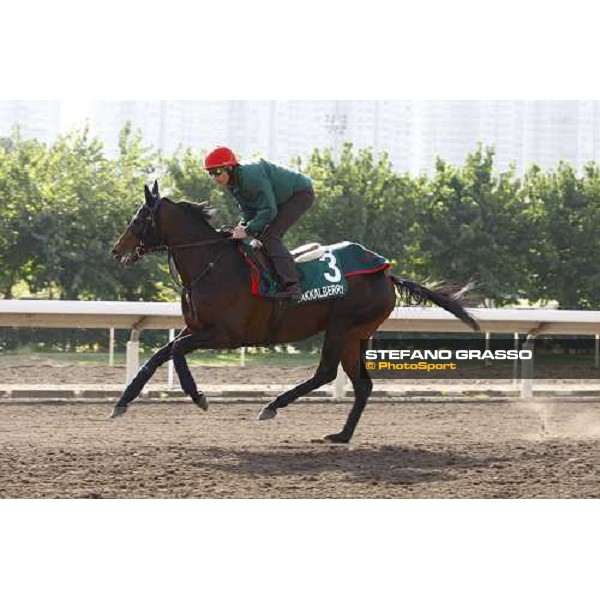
(325, 277)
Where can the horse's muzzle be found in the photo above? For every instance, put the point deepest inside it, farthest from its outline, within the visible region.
(128, 258)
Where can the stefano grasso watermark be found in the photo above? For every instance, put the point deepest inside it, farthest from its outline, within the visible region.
(463, 358)
(435, 360)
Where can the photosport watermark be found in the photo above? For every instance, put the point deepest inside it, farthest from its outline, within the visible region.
(477, 358)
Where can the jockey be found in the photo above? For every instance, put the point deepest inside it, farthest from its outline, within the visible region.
(271, 198)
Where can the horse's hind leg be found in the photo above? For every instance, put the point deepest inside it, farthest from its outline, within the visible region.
(351, 363)
(326, 372)
(146, 371)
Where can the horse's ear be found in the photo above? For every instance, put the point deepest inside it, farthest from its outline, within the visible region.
(155, 188)
(149, 198)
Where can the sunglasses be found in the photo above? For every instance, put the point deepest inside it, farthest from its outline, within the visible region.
(216, 172)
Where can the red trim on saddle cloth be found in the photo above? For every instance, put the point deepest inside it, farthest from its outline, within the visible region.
(365, 271)
(254, 272)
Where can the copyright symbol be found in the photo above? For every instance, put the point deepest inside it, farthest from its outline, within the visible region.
(370, 365)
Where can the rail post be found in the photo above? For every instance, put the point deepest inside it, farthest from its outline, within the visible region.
(527, 366)
(111, 347)
(170, 366)
(132, 365)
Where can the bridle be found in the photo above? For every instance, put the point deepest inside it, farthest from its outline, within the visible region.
(151, 221)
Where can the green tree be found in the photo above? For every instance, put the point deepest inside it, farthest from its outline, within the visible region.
(64, 206)
(22, 166)
(472, 221)
(359, 198)
(564, 211)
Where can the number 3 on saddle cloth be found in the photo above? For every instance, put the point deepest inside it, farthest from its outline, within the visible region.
(323, 270)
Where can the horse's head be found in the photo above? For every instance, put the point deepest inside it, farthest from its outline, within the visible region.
(142, 233)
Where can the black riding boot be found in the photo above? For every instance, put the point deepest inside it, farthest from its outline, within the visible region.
(285, 268)
(287, 274)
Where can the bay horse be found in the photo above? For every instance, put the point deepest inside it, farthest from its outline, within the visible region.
(220, 311)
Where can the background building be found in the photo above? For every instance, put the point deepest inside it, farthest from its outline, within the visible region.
(412, 132)
(36, 118)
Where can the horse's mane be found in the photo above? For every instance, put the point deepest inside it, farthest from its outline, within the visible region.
(199, 210)
(202, 211)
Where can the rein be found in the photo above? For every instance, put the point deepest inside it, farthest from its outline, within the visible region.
(171, 262)
(177, 279)
(165, 248)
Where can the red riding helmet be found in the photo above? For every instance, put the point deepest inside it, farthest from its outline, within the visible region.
(220, 157)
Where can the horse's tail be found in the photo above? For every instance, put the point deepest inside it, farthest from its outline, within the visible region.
(414, 294)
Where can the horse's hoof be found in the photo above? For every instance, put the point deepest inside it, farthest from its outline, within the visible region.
(337, 438)
(117, 411)
(201, 401)
(267, 413)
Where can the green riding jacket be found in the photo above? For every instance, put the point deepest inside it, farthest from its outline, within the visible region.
(260, 187)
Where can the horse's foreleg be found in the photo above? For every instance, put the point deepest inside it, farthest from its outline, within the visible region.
(137, 384)
(183, 346)
(186, 380)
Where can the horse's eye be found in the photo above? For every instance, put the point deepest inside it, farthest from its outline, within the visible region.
(136, 226)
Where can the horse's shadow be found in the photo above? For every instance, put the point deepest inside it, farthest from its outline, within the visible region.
(385, 464)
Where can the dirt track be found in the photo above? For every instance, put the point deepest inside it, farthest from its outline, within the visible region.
(401, 450)
(57, 373)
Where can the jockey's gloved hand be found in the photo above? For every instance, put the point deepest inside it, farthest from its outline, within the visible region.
(226, 229)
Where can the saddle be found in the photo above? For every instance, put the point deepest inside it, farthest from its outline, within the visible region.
(308, 252)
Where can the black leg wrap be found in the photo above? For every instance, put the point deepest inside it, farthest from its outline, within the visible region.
(146, 371)
(188, 385)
